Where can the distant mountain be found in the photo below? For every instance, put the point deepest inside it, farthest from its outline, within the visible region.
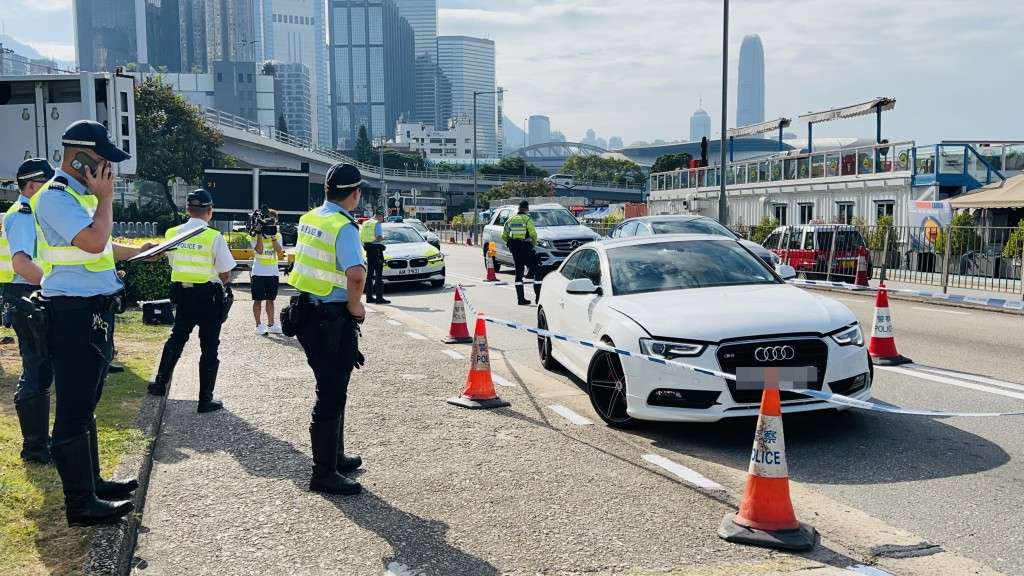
(19, 48)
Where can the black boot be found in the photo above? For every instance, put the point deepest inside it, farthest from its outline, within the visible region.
(34, 417)
(75, 468)
(207, 381)
(346, 462)
(324, 438)
(107, 489)
(169, 358)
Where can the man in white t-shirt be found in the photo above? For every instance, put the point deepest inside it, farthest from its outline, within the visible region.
(267, 250)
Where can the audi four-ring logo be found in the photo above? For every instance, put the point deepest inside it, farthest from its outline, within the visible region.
(774, 353)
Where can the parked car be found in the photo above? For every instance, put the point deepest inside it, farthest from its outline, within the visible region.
(289, 233)
(687, 224)
(701, 300)
(558, 234)
(409, 258)
(424, 231)
(811, 250)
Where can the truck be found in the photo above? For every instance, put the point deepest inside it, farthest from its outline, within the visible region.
(35, 111)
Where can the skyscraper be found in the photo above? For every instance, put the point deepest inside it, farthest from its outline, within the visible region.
(192, 23)
(614, 143)
(422, 16)
(293, 98)
(231, 31)
(468, 63)
(700, 125)
(750, 82)
(372, 67)
(540, 130)
(163, 35)
(294, 31)
(107, 33)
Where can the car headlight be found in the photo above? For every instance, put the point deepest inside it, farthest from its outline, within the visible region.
(543, 244)
(849, 336)
(436, 257)
(670, 350)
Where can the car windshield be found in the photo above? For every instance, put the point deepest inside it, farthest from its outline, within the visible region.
(403, 235)
(417, 225)
(847, 240)
(553, 218)
(696, 226)
(678, 265)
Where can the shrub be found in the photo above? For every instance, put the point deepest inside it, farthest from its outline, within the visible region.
(764, 228)
(144, 281)
(1014, 248)
(961, 234)
(876, 238)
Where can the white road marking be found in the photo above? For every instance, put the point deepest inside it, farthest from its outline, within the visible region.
(415, 336)
(501, 381)
(570, 415)
(942, 311)
(454, 354)
(395, 323)
(396, 569)
(858, 301)
(965, 376)
(479, 281)
(944, 380)
(691, 476)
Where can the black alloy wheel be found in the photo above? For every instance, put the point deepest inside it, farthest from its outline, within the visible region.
(544, 343)
(606, 384)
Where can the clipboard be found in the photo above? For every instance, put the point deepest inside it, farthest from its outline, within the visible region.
(166, 245)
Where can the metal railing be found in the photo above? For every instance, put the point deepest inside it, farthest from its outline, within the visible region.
(134, 230)
(225, 120)
(857, 161)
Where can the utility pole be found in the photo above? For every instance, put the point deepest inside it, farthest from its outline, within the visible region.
(723, 208)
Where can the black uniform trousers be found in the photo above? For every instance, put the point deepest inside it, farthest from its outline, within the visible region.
(374, 270)
(201, 305)
(522, 257)
(82, 343)
(36, 369)
(332, 369)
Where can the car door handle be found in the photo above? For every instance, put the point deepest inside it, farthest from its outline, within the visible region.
(561, 302)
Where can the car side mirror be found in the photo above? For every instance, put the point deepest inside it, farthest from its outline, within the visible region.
(582, 286)
(785, 271)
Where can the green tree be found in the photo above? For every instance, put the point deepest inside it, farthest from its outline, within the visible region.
(401, 161)
(884, 228)
(514, 166)
(764, 228)
(174, 140)
(1015, 243)
(669, 162)
(364, 148)
(601, 170)
(517, 189)
(961, 235)
(282, 125)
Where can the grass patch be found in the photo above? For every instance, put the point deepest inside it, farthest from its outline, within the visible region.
(34, 536)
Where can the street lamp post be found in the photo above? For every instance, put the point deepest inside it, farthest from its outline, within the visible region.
(524, 148)
(383, 183)
(723, 208)
(476, 198)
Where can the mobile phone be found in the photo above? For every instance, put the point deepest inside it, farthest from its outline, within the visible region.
(82, 161)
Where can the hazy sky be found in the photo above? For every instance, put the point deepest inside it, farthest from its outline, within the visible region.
(637, 68)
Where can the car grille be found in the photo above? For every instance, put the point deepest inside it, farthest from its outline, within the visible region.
(417, 262)
(564, 247)
(395, 263)
(806, 352)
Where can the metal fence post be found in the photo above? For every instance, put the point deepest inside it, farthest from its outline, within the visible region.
(831, 255)
(885, 256)
(785, 238)
(945, 259)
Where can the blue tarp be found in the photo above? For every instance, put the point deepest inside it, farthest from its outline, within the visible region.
(596, 214)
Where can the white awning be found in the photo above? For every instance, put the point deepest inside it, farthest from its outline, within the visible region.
(762, 128)
(849, 111)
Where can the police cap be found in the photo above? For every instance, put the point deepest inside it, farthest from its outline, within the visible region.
(37, 169)
(199, 198)
(93, 136)
(378, 213)
(343, 176)
(524, 205)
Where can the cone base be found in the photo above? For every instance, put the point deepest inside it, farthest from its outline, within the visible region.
(897, 360)
(801, 538)
(458, 340)
(467, 402)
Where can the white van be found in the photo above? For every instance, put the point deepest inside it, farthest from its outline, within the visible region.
(560, 179)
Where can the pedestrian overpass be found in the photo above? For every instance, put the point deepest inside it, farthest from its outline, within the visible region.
(258, 146)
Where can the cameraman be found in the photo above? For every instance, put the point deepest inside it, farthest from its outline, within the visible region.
(372, 236)
(267, 250)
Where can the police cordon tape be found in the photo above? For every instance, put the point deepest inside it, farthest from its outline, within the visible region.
(1003, 303)
(826, 396)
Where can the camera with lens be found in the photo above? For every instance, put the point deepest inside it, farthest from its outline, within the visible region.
(262, 218)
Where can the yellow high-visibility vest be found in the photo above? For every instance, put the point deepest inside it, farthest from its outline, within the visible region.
(368, 231)
(192, 260)
(316, 258)
(6, 258)
(70, 255)
(269, 255)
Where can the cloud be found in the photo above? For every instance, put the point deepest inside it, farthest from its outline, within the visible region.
(637, 68)
(56, 50)
(38, 5)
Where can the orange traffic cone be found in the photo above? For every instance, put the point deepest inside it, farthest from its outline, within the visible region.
(766, 516)
(492, 251)
(882, 346)
(479, 392)
(459, 331)
(862, 272)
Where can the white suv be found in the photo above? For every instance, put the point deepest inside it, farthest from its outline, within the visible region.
(558, 234)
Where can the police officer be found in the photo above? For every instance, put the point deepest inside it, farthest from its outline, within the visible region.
(330, 273)
(520, 236)
(200, 269)
(371, 234)
(74, 216)
(19, 268)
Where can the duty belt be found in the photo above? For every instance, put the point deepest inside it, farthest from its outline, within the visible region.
(68, 303)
